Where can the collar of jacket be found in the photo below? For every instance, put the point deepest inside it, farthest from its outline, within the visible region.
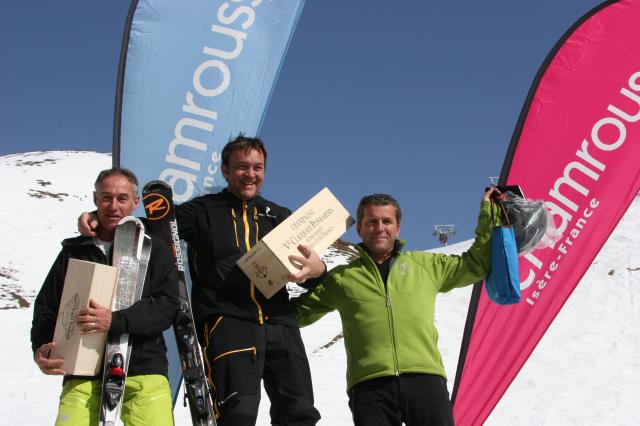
(234, 201)
(78, 241)
(398, 246)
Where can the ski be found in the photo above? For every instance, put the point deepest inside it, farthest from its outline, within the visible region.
(131, 251)
(157, 198)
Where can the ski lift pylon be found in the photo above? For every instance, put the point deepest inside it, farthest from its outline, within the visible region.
(443, 232)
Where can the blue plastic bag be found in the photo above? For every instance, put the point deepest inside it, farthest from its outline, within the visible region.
(503, 282)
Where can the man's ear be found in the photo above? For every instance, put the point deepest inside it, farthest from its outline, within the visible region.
(225, 172)
(95, 198)
(136, 200)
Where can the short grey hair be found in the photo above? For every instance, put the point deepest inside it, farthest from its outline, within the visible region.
(118, 171)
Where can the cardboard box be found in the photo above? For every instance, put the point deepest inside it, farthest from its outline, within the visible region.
(318, 224)
(82, 354)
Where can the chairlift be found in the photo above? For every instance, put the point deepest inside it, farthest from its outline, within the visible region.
(443, 232)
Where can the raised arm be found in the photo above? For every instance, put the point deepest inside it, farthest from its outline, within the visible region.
(453, 271)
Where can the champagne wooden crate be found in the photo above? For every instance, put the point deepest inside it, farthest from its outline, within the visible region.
(82, 354)
(318, 224)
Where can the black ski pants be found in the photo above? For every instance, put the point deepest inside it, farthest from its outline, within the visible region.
(240, 354)
(412, 399)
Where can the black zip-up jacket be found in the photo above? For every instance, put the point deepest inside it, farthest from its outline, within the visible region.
(145, 320)
(219, 228)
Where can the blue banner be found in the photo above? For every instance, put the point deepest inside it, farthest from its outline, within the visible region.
(195, 73)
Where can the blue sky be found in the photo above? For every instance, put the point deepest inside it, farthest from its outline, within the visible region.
(417, 99)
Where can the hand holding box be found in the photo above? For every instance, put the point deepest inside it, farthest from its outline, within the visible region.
(318, 224)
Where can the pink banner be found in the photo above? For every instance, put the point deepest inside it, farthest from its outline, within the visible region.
(577, 147)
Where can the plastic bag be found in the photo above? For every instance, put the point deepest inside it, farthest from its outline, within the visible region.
(532, 223)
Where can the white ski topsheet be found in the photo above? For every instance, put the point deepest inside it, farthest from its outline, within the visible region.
(131, 253)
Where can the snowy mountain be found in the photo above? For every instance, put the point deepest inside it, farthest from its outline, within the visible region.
(585, 371)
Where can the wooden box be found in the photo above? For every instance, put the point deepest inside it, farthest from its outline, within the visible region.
(82, 354)
(318, 224)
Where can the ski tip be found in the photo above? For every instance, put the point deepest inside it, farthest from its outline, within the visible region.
(133, 219)
(149, 186)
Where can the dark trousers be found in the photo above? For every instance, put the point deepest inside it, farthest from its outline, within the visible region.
(412, 399)
(240, 354)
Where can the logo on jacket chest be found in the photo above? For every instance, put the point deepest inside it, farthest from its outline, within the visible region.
(403, 268)
(267, 213)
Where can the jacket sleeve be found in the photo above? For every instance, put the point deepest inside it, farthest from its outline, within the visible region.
(312, 306)
(186, 216)
(453, 271)
(312, 283)
(45, 308)
(155, 311)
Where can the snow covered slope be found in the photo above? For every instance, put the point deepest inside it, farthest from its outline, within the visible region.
(42, 191)
(585, 371)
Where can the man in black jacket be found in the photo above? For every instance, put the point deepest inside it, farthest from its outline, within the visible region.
(147, 398)
(246, 337)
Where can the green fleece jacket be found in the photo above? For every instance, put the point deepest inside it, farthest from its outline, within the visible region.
(390, 331)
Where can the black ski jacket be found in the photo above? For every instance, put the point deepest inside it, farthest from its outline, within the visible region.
(145, 320)
(218, 229)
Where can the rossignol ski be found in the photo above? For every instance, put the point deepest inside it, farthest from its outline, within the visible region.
(157, 197)
(131, 251)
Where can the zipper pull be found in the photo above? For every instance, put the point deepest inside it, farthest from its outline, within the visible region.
(234, 394)
(388, 300)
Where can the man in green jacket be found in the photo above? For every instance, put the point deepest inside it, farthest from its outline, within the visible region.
(386, 299)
